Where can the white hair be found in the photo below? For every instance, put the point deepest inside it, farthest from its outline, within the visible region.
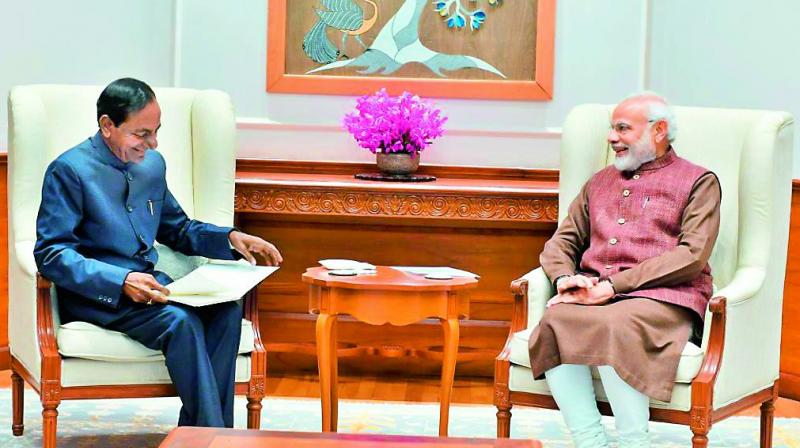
(658, 109)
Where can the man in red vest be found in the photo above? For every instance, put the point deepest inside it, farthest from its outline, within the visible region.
(630, 265)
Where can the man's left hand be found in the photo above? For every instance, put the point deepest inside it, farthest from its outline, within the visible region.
(247, 245)
(596, 295)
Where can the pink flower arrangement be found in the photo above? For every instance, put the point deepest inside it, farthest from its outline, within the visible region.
(405, 123)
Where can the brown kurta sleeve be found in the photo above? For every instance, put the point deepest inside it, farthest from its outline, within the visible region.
(561, 254)
(699, 229)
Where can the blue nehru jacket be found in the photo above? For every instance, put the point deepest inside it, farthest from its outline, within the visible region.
(98, 221)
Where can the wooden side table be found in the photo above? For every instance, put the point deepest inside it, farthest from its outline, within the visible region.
(388, 296)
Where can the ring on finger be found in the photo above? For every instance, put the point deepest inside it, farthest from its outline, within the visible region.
(149, 302)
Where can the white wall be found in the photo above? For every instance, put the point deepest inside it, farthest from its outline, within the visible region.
(83, 42)
(722, 53)
(225, 47)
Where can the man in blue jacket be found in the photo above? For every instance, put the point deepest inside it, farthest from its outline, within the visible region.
(104, 204)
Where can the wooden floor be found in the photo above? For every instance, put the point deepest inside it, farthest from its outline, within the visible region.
(468, 391)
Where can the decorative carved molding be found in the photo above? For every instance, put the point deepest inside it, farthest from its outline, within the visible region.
(501, 398)
(351, 202)
(699, 421)
(51, 392)
(257, 386)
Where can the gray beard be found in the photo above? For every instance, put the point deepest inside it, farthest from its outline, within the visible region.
(636, 157)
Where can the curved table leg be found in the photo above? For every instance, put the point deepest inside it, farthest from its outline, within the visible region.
(326, 358)
(334, 366)
(448, 371)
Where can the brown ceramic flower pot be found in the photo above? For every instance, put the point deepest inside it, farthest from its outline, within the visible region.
(397, 163)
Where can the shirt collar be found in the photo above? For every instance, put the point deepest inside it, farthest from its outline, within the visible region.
(104, 152)
(660, 162)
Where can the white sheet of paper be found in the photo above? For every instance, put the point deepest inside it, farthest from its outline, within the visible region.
(436, 270)
(341, 263)
(217, 282)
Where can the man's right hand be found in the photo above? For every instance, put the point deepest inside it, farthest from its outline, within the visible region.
(144, 288)
(574, 282)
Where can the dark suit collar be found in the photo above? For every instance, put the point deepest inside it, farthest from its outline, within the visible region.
(104, 152)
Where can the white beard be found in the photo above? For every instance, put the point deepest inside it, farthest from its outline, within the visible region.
(639, 153)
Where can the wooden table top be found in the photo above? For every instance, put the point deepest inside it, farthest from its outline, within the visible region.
(334, 181)
(386, 278)
(190, 437)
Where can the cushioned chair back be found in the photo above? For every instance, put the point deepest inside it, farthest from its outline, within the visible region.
(197, 140)
(741, 146)
(751, 153)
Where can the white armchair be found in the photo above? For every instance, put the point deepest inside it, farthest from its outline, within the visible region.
(79, 360)
(737, 364)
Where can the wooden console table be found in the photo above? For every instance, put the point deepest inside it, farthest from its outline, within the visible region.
(387, 297)
(469, 218)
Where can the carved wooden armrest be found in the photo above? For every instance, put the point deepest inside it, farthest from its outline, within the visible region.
(45, 328)
(703, 383)
(251, 314)
(519, 315)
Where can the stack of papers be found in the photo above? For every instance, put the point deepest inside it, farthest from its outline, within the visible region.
(436, 271)
(339, 264)
(217, 282)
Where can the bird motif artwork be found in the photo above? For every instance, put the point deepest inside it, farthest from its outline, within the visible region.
(398, 42)
(343, 15)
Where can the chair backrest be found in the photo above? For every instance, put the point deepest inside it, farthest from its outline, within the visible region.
(751, 153)
(197, 140)
(749, 150)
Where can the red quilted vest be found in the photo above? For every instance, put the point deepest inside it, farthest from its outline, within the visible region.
(636, 216)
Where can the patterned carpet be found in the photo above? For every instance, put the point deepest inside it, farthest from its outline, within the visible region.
(145, 422)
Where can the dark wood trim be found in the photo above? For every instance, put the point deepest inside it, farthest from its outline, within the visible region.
(790, 386)
(350, 168)
(795, 185)
(5, 357)
(3, 158)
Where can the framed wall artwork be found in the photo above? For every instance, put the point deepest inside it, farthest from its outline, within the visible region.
(480, 49)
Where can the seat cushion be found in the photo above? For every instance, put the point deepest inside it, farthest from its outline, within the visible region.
(89, 372)
(688, 367)
(521, 380)
(84, 340)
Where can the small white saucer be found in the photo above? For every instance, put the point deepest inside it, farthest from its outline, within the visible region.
(436, 276)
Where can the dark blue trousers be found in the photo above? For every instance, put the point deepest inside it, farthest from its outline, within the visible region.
(200, 346)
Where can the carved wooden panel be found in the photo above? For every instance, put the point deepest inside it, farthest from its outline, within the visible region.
(349, 202)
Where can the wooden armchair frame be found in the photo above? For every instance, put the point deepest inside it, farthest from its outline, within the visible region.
(700, 417)
(51, 392)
